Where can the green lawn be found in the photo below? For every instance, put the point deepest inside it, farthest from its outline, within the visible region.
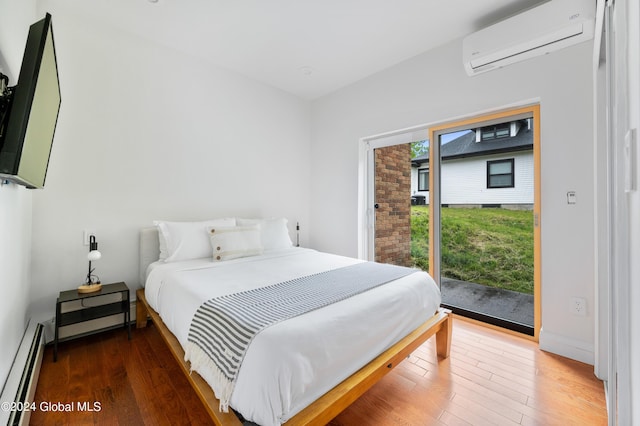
(486, 246)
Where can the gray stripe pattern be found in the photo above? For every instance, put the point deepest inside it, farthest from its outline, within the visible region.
(223, 327)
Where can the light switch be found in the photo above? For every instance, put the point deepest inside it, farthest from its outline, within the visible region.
(571, 197)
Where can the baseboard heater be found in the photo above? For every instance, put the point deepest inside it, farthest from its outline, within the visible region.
(20, 387)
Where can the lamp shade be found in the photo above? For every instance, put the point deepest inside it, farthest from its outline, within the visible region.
(94, 255)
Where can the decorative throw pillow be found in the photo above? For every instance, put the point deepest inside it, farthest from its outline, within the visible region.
(273, 232)
(232, 242)
(186, 240)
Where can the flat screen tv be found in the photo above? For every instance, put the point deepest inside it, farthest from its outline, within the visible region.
(29, 110)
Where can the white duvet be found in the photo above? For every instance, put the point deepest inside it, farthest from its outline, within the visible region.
(291, 364)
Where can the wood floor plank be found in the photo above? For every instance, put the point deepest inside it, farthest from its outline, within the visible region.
(469, 365)
(490, 378)
(488, 410)
(112, 388)
(142, 355)
(509, 403)
(451, 420)
(480, 384)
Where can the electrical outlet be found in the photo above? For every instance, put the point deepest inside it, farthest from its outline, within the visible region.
(578, 306)
(86, 234)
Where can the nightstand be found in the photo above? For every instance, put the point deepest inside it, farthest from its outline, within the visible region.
(91, 312)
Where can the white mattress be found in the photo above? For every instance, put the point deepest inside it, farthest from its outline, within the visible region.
(291, 364)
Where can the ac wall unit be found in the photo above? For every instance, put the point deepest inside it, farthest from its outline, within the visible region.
(534, 32)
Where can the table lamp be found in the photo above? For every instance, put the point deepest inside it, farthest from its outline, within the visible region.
(92, 282)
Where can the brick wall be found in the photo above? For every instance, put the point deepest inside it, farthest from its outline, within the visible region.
(393, 196)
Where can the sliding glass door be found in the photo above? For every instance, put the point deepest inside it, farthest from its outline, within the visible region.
(485, 218)
(462, 201)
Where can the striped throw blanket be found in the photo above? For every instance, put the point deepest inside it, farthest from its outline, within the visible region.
(223, 327)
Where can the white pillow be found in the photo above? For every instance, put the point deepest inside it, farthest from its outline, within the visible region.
(274, 232)
(186, 240)
(164, 252)
(231, 242)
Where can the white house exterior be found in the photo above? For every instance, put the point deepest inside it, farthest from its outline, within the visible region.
(497, 172)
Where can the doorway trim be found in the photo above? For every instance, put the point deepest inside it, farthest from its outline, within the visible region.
(434, 193)
(366, 188)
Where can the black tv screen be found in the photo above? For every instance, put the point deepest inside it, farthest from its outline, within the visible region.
(32, 107)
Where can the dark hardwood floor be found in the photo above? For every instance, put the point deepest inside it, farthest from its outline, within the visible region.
(136, 382)
(490, 378)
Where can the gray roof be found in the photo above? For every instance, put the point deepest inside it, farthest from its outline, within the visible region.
(466, 146)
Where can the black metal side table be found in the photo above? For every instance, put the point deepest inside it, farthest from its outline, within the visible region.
(91, 312)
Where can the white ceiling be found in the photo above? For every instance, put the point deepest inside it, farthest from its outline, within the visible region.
(305, 47)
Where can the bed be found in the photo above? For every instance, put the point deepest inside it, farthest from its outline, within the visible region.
(295, 371)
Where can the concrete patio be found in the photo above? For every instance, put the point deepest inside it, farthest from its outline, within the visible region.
(505, 304)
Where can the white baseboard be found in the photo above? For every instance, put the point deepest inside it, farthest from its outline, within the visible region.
(567, 347)
(23, 377)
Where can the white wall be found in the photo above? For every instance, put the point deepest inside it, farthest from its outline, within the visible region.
(15, 203)
(15, 19)
(148, 133)
(15, 283)
(433, 88)
(633, 63)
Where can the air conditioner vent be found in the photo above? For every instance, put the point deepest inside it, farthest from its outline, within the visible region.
(537, 31)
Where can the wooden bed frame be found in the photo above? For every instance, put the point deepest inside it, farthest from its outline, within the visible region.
(333, 402)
